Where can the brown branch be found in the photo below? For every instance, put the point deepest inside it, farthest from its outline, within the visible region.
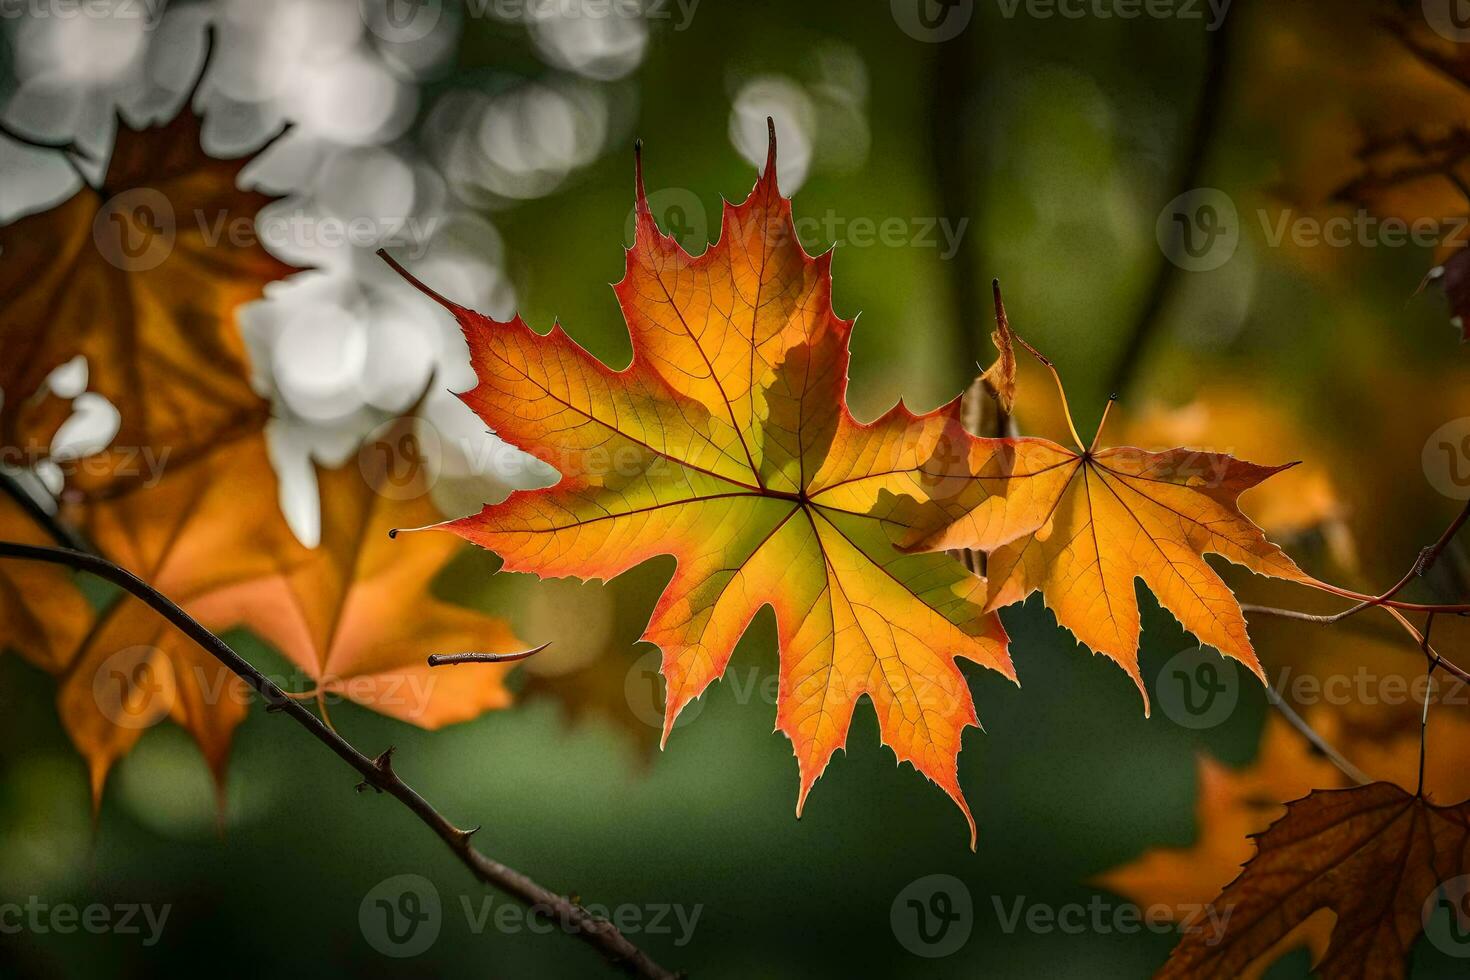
(446, 659)
(956, 152)
(1189, 175)
(47, 521)
(1422, 564)
(377, 773)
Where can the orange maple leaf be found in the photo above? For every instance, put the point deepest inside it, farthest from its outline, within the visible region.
(354, 614)
(133, 276)
(1081, 526)
(1381, 859)
(727, 443)
(191, 537)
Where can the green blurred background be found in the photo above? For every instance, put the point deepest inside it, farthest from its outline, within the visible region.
(1059, 141)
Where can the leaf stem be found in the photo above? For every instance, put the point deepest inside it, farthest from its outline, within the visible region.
(1061, 389)
(575, 920)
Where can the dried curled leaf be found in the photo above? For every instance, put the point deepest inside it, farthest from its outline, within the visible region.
(727, 443)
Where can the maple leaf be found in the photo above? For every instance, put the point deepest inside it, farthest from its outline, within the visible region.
(1237, 414)
(1081, 526)
(355, 613)
(1375, 855)
(727, 443)
(191, 537)
(134, 276)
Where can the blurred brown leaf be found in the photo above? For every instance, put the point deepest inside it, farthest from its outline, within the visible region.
(141, 276)
(194, 537)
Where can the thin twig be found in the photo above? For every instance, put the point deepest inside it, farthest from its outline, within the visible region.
(1311, 734)
(1422, 564)
(378, 773)
(1428, 680)
(1296, 614)
(446, 659)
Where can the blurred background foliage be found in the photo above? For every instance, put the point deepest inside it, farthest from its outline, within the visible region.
(1058, 142)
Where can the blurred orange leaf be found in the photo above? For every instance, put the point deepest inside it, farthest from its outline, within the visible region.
(44, 613)
(356, 614)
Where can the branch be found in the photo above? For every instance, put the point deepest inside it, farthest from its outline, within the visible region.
(446, 659)
(955, 151)
(1190, 173)
(376, 773)
(1329, 620)
(59, 532)
(1422, 564)
(1325, 747)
